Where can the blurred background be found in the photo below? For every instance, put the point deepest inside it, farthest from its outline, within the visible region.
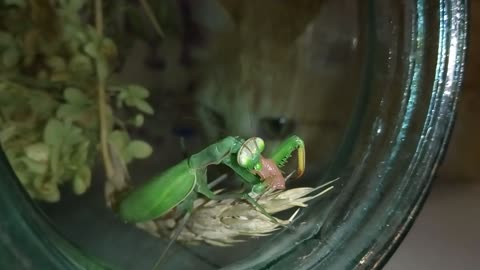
(446, 234)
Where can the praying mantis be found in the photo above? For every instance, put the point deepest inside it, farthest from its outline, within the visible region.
(180, 185)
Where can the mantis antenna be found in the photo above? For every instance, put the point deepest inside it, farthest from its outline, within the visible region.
(173, 237)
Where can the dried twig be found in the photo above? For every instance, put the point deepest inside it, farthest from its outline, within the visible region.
(102, 102)
(151, 16)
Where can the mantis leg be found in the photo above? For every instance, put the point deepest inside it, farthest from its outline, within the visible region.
(215, 153)
(285, 150)
(173, 237)
(250, 200)
(221, 152)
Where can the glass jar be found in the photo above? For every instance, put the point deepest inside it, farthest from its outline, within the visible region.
(403, 61)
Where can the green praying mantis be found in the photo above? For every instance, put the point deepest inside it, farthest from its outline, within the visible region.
(179, 186)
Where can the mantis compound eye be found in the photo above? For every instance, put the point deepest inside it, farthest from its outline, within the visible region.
(249, 153)
(260, 144)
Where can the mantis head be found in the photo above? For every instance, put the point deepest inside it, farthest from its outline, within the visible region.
(250, 152)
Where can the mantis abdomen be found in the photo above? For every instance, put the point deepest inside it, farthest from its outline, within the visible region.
(159, 195)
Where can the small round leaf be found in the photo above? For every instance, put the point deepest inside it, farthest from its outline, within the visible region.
(38, 152)
(49, 192)
(35, 167)
(53, 132)
(138, 91)
(119, 139)
(143, 106)
(139, 149)
(91, 50)
(75, 96)
(70, 111)
(138, 120)
(82, 180)
(81, 65)
(56, 63)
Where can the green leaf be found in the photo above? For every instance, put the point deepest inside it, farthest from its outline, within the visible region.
(143, 106)
(109, 49)
(80, 36)
(54, 132)
(123, 94)
(24, 176)
(82, 180)
(35, 166)
(81, 65)
(120, 98)
(49, 192)
(38, 152)
(130, 101)
(75, 96)
(73, 136)
(139, 149)
(91, 50)
(56, 63)
(80, 155)
(119, 102)
(119, 139)
(138, 120)
(70, 111)
(126, 156)
(92, 33)
(138, 91)
(42, 105)
(7, 132)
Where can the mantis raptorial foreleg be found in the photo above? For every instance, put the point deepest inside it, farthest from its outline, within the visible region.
(285, 150)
